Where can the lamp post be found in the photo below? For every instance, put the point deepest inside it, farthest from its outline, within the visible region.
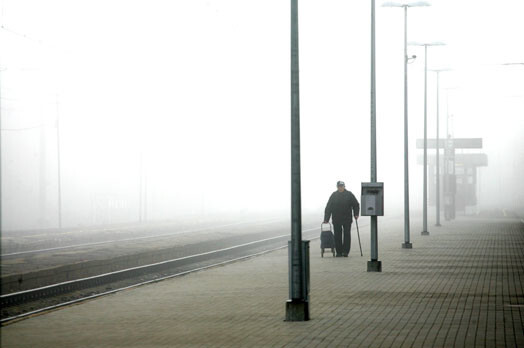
(1, 73)
(407, 243)
(425, 231)
(449, 167)
(374, 265)
(58, 164)
(297, 307)
(140, 187)
(437, 160)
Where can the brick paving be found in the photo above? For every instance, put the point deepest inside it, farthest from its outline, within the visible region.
(461, 286)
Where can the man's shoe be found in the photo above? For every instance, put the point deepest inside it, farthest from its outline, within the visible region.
(345, 255)
(339, 255)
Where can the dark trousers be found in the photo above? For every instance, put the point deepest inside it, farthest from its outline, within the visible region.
(342, 240)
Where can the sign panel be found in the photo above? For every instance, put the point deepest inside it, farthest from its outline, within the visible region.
(457, 143)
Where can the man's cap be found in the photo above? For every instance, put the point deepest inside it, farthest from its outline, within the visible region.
(340, 183)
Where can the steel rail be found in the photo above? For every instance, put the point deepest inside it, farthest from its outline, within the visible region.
(54, 289)
(18, 253)
(25, 296)
(63, 304)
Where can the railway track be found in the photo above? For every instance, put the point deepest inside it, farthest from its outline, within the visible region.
(22, 304)
(132, 239)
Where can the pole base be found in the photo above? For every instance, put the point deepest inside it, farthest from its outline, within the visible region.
(374, 266)
(438, 225)
(407, 245)
(297, 310)
(424, 233)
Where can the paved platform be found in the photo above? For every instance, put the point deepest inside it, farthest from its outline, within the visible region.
(461, 286)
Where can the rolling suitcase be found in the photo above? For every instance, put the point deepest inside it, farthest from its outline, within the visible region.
(327, 239)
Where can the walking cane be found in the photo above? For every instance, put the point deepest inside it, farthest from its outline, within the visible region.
(358, 234)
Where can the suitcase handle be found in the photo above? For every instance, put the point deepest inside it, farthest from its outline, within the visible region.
(325, 223)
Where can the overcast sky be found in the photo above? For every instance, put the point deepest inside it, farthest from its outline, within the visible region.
(199, 89)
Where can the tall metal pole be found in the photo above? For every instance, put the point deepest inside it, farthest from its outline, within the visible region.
(296, 210)
(425, 231)
(58, 162)
(446, 163)
(373, 127)
(297, 307)
(140, 187)
(447, 113)
(43, 175)
(374, 265)
(407, 244)
(145, 209)
(437, 197)
(1, 147)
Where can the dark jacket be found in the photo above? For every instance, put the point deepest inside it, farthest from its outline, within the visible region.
(340, 205)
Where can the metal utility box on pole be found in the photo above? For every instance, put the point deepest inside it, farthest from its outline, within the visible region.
(372, 193)
(372, 201)
(297, 307)
(373, 205)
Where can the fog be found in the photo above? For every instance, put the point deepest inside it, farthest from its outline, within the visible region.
(188, 102)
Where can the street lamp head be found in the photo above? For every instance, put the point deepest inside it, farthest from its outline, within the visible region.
(392, 4)
(433, 43)
(418, 4)
(437, 70)
(406, 4)
(412, 59)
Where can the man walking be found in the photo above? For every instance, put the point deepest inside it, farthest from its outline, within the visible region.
(342, 205)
